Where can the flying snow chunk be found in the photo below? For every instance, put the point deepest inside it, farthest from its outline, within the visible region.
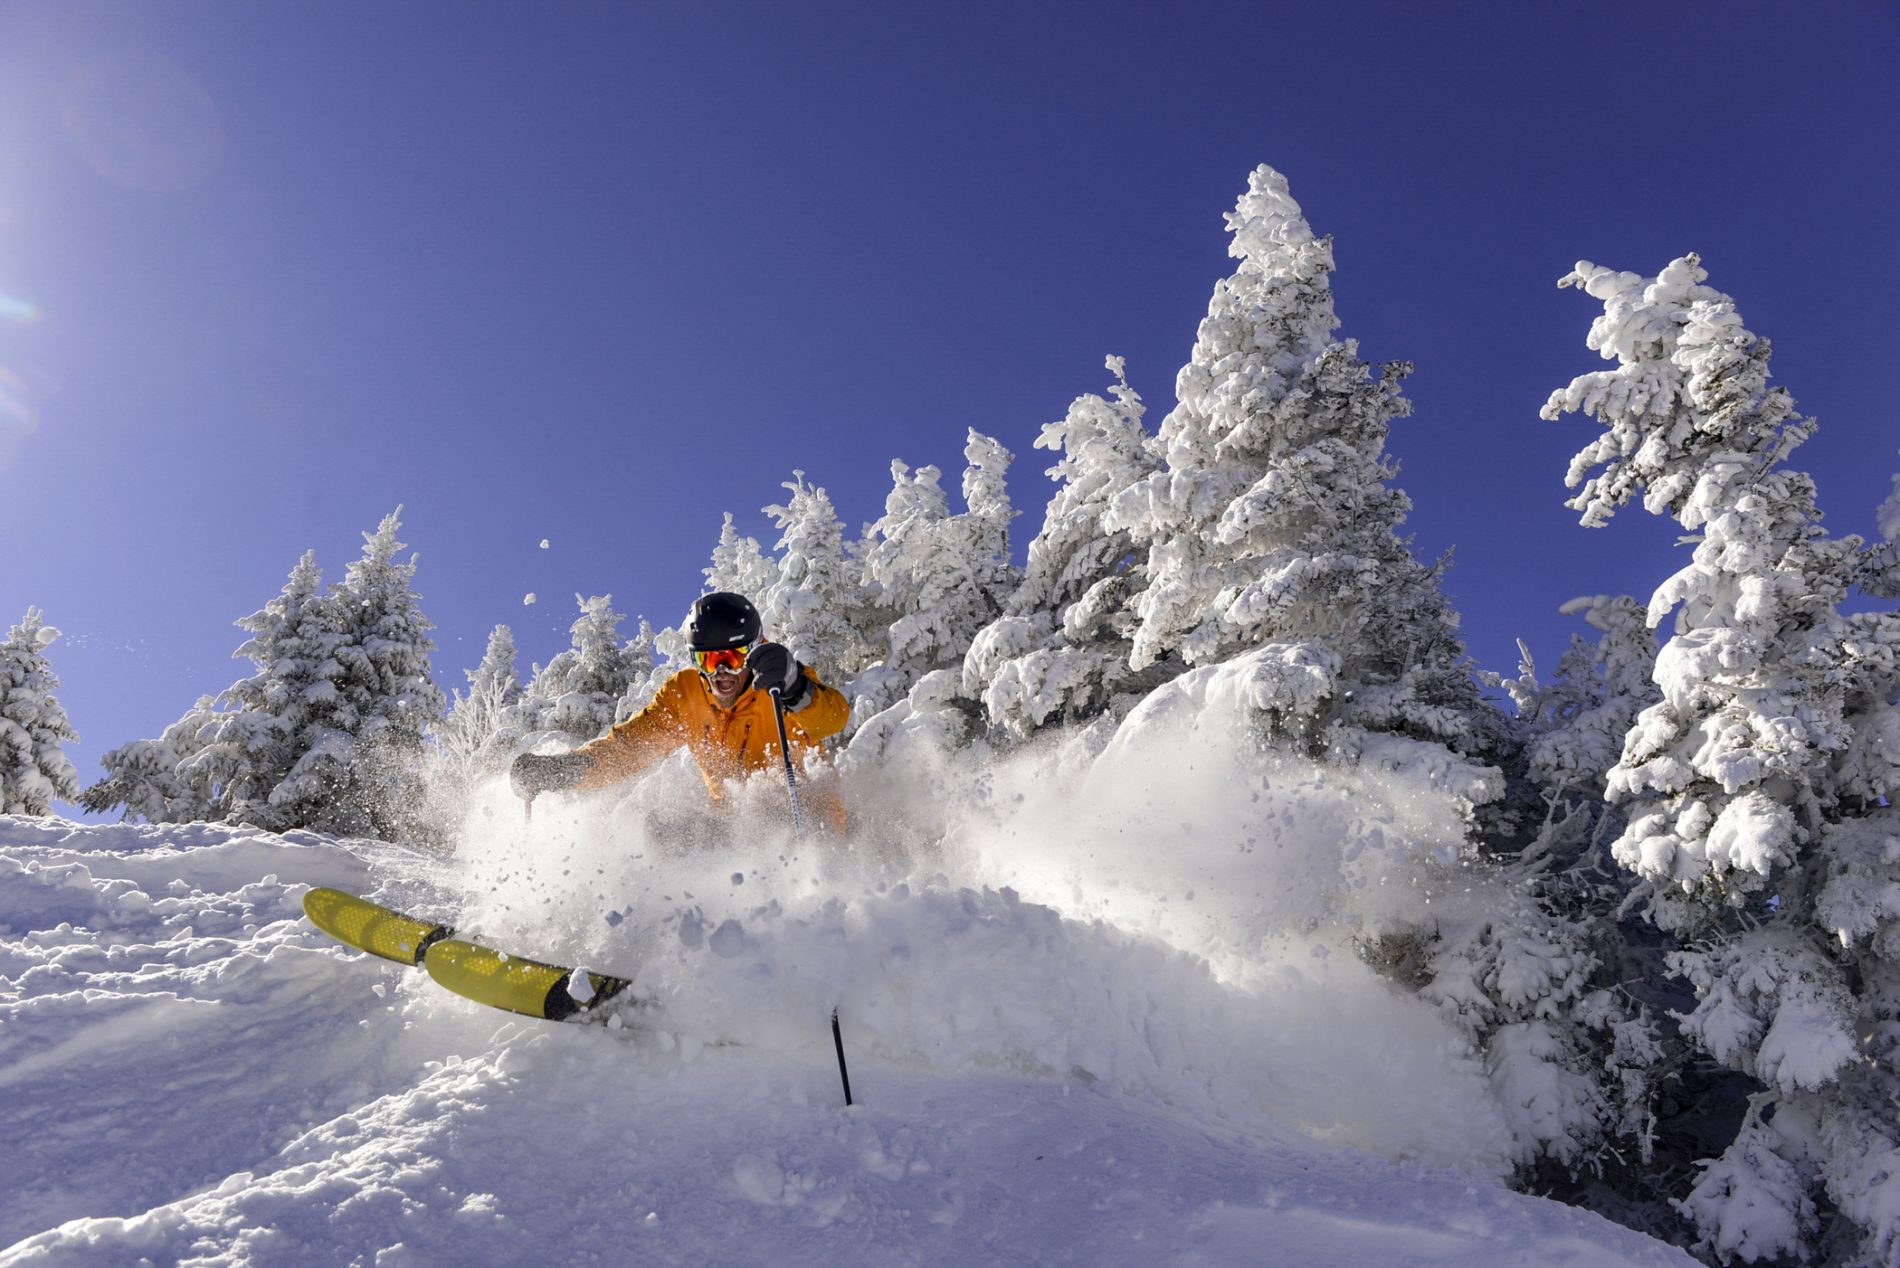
(528, 600)
(727, 940)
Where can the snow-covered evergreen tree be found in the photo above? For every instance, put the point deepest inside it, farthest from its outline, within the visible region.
(34, 768)
(1572, 729)
(476, 738)
(1060, 651)
(1570, 1056)
(143, 777)
(816, 604)
(739, 566)
(983, 529)
(942, 577)
(473, 735)
(1758, 820)
(1273, 521)
(1542, 972)
(671, 650)
(1269, 539)
(579, 692)
(358, 765)
(245, 749)
(226, 758)
(387, 656)
(327, 734)
(894, 548)
(1881, 576)
(642, 659)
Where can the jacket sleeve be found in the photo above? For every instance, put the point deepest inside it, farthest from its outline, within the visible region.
(824, 712)
(643, 740)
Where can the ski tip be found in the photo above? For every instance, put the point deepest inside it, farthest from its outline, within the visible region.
(359, 923)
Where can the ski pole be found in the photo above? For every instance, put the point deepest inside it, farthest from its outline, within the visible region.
(798, 830)
(791, 775)
(837, 1039)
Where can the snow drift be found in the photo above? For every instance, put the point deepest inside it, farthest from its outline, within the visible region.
(1110, 1013)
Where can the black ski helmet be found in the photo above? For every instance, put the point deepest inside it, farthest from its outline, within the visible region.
(722, 620)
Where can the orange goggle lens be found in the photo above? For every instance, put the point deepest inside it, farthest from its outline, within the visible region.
(723, 658)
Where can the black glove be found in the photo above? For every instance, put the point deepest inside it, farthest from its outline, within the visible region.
(773, 668)
(536, 773)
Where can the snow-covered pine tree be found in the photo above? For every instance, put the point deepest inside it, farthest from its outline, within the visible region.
(226, 758)
(579, 691)
(1572, 729)
(34, 768)
(1569, 1055)
(942, 577)
(739, 565)
(1274, 555)
(671, 650)
(1761, 836)
(1881, 577)
(143, 778)
(1060, 651)
(1549, 978)
(358, 768)
(816, 605)
(473, 737)
(387, 660)
(893, 548)
(642, 659)
(1273, 526)
(245, 748)
(327, 734)
(983, 529)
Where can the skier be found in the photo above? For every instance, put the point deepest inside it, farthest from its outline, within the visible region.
(721, 711)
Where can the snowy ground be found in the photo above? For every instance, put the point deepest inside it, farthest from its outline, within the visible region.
(1072, 1041)
(190, 1073)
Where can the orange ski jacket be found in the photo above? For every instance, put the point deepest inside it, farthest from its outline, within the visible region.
(727, 743)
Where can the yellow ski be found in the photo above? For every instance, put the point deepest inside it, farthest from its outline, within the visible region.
(476, 972)
(362, 924)
(519, 985)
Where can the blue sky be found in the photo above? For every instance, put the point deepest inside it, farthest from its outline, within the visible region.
(598, 273)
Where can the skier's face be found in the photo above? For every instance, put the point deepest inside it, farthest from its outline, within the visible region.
(727, 685)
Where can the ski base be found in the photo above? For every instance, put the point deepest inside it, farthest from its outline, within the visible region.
(480, 973)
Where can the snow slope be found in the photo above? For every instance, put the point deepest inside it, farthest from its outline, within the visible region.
(190, 1073)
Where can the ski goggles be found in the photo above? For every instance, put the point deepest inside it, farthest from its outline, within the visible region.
(732, 658)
